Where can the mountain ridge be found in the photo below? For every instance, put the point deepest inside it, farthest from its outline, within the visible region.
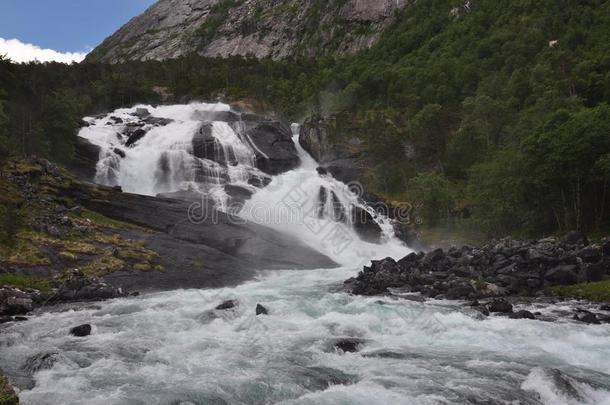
(275, 29)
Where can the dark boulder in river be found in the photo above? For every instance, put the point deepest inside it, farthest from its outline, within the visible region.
(81, 330)
(261, 310)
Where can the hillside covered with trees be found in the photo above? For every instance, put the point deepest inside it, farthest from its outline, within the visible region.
(505, 106)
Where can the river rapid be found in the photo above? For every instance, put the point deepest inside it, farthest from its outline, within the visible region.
(176, 348)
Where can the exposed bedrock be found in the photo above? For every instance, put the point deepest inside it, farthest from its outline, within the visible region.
(199, 246)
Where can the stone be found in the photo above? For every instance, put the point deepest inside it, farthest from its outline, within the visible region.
(40, 361)
(142, 113)
(575, 238)
(460, 292)
(434, 256)
(261, 310)
(349, 345)
(14, 301)
(562, 275)
(134, 137)
(229, 304)
(587, 317)
(81, 330)
(522, 315)
(590, 254)
(482, 309)
(119, 152)
(274, 148)
(501, 306)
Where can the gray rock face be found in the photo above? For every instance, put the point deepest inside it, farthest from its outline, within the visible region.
(263, 28)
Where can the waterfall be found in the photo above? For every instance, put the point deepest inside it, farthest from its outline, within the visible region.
(205, 149)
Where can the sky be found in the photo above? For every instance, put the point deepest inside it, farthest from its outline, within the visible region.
(61, 30)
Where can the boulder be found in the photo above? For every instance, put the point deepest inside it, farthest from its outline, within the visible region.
(237, 196)
(482, 309)
(575, 238)
(230, 304)
(434, 256)
(590, 254)
(14, 301)
(365, 226)
(460, 292)
(274, 148)
(522, 315)
(348, 345)
(81, 330)
(501, 306)
(141, 113)
(259, 181)
(346, 170)
(119, 152)
(40, 361)
(134, 137)
(158, 122)
(80, 287)
(261, 310)
(587, 317)
(566, 274)
(322, 171)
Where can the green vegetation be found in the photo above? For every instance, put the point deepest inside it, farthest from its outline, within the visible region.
(505, 108)
(599, 292)
(7, 394)
(19, 281)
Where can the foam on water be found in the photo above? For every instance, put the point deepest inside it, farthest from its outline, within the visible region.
(168, 348)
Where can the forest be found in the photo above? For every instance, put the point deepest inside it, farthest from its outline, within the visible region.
(506, 105)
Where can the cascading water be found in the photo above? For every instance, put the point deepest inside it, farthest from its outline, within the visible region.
(195, 151)
(175, 348)
(157, 150)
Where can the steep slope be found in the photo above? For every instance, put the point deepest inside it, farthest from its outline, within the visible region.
(263, 28)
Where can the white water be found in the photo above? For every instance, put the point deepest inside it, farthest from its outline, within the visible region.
(163, 161)
(169, 348)
(159, 349)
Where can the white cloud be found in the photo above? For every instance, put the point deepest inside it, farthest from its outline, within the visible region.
(19, 52)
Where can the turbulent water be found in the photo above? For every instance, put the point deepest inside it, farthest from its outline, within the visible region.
(175, 348)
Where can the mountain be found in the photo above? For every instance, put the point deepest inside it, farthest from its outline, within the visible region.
(262, 28)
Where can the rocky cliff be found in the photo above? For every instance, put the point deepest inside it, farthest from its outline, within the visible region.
(262, 28)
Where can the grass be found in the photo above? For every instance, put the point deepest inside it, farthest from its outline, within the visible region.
(102, 220)
(24, 252)
(20, 281)
(598, 291)
(7, 394)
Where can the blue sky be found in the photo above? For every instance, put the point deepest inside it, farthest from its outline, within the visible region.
(66, 25)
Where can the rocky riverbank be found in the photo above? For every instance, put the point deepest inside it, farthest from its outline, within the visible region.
(492, 276)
